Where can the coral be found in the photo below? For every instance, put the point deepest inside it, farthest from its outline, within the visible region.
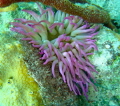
(17, 88)
(93, 14)
(63, 40)
(12, 7)
(108, 64)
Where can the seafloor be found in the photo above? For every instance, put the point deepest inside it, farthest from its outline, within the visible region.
(18, 86)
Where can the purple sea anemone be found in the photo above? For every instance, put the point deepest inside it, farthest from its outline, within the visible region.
(63, 40)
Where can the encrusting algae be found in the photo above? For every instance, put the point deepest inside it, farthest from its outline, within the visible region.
(12, 7)
(17, 88)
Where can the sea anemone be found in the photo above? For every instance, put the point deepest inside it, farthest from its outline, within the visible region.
(64, 41)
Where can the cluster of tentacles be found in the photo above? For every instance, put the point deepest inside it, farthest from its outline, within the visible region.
(64, 41)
